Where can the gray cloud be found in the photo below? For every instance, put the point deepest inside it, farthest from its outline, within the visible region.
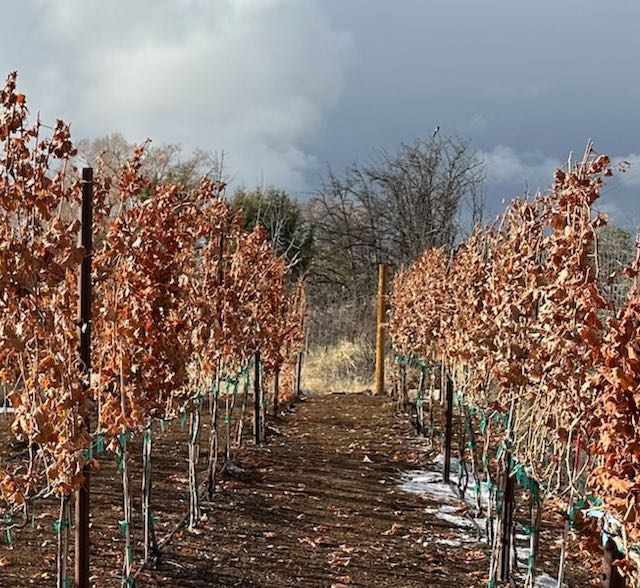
(252, 77)
(505, 166)
(288, 86)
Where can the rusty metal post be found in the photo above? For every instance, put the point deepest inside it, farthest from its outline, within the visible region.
(298, 374)
(82, 543)
(382, 286)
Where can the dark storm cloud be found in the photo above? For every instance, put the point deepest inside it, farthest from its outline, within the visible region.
(288, 86)
(526, 81)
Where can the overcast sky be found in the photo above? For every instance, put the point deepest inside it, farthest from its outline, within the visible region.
(287, 87)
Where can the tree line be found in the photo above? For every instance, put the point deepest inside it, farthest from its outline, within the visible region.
(426, 194)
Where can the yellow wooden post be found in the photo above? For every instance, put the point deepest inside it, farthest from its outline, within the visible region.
(382, 286)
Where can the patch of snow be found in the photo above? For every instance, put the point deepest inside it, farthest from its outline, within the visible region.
(546, 581)
(428, 483)
(468, 538)
(456, 520)
(522, 553)
(450, 542)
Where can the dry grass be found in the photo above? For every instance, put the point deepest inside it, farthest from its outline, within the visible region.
(346, 366)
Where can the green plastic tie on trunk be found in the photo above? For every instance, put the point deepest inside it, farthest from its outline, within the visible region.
(58, 525)
(88, 453)
(123, 526)
(594, 501)
(9, 536)
(100, 444)
(534, 488)
(124, 438)
(183, 419)
(573, 511)
(521, 475)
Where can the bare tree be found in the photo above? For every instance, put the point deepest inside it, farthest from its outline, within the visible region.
(281, 215)
(162, 163)
(393, 209)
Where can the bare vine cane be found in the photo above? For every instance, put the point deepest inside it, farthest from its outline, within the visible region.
(420, 402)
(485, 430)
(535, 521)
(150, 543)
(501, 561)
(475, 470)
(194, 459)
(263, 408)
(432, 387)
(126, 523)
(463, 472)
(243, 408)
(62, 529)
(228, 419)
(276, 391)
(212, 463)
(568, 516)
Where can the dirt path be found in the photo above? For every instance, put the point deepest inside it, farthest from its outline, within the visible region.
(320, 506)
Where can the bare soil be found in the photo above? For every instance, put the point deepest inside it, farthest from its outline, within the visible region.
(319, 505)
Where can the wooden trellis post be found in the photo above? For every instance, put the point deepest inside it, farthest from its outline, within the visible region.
(382, 286)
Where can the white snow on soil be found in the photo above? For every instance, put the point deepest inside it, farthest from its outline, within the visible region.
(450, 507)
(546, 581)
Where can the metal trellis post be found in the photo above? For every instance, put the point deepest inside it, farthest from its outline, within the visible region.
(84, 333)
